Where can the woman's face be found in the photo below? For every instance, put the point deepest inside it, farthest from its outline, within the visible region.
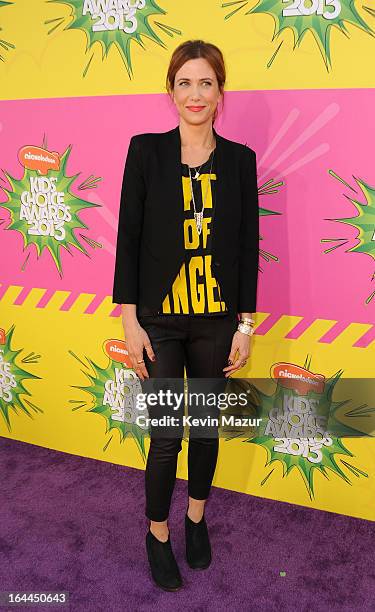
(196, 91)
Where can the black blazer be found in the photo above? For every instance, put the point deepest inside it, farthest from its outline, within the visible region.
(150, 240)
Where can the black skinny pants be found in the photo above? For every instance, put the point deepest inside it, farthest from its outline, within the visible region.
(202, 346)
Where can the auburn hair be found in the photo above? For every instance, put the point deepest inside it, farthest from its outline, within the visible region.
(193, 49)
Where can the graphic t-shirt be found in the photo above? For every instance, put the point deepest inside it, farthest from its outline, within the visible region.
(195, 291)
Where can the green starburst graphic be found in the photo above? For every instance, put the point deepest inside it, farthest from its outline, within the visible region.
(324, 14)
(325, 404)
(268, 188)
(112, 25)
(112, 390)
(4, 43)
(364, 221)
(41, 237)
(12, 379)
(284, 443)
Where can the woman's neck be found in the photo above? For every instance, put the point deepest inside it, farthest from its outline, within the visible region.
(194, 137)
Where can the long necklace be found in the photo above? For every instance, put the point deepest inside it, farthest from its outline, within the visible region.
(197, 172)
(198, 216)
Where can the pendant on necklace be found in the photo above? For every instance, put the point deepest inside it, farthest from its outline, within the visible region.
(196, 174)
(198, 216)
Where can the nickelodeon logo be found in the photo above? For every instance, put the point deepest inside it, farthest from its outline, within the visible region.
(295, 377)
(37, 158)
(117, 351)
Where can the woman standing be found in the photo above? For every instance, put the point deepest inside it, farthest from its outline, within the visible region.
(186, 272)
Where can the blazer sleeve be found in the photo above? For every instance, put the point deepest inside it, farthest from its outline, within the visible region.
(249, 234)
(133, 191)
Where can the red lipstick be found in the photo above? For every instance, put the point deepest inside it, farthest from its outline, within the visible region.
(195, 109)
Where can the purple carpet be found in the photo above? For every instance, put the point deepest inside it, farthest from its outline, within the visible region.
(75, 524)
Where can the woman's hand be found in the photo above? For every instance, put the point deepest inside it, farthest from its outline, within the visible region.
(240, 343)
(137, 339)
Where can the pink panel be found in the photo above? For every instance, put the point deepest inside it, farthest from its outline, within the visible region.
(298, 136)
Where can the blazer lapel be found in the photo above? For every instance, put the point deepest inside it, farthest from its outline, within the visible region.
(171, 214)
(219, 227)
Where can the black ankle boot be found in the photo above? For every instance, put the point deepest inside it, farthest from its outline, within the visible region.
(198, 548)
(164, 568)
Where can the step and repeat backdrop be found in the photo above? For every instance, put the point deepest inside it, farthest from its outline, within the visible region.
(78, 78)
